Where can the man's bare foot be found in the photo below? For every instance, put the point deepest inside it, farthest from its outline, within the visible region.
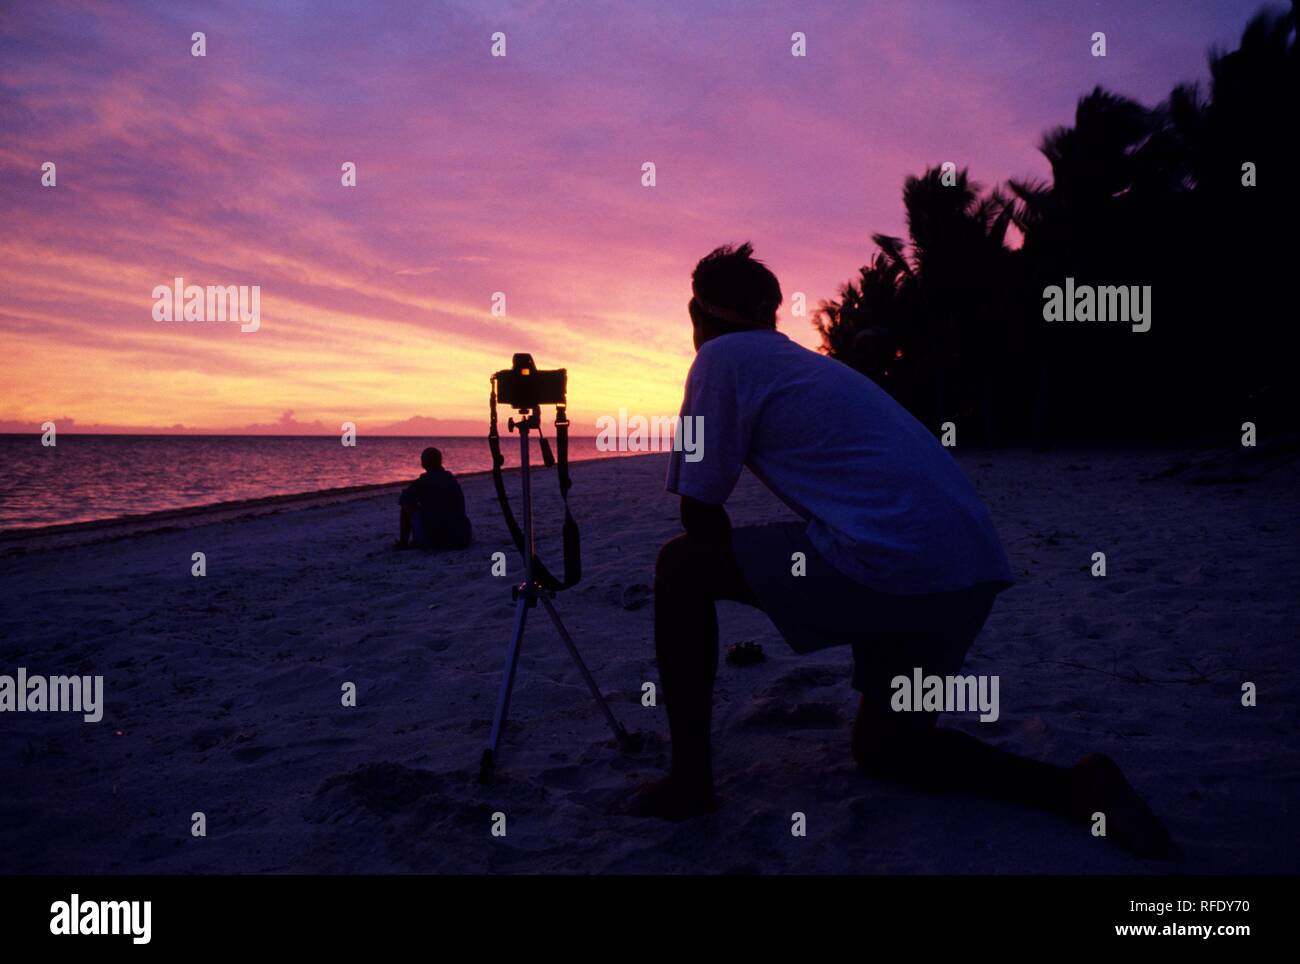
(1129, 821)
(671, 799)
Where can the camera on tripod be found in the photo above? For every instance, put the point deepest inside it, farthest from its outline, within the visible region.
(524, 386)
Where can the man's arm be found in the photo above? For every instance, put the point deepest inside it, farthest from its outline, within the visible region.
(715, 400)
(704, 521)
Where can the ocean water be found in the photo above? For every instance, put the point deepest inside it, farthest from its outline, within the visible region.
(87, 477)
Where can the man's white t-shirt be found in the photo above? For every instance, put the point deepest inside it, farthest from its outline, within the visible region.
(885, 503)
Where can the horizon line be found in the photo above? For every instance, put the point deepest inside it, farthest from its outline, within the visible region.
(202, 434)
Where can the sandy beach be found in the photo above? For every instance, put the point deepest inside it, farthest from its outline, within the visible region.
(223, 693)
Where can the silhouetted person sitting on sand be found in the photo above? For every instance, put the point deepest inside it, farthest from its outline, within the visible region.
(896, 557)
(433, 509)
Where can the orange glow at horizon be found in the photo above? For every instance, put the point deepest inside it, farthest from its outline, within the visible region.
(475, 177)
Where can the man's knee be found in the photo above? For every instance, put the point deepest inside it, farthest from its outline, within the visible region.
(674, 559)
(686, 563)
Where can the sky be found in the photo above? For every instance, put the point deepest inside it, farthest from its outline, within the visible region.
(477, 174)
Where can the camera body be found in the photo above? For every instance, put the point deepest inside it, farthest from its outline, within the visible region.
(524, 386)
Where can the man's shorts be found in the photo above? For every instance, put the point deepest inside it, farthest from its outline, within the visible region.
(890, 634)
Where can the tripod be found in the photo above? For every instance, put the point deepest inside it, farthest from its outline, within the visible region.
(526, 595)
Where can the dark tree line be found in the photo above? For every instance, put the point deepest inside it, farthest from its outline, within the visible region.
(950, 319)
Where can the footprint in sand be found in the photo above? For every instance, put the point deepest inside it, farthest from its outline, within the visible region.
(251, 754)
(635, 596)
(778, 714)
(561, 778)
(381, 789)
(205, 738)
(796, 681)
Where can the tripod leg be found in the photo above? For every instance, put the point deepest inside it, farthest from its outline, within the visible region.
(620, 734)
(488, 763)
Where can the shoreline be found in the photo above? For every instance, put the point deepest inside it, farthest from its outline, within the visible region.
(60, 534)
(1212, 464)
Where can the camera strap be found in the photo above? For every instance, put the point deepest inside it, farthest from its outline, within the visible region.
(572, 542)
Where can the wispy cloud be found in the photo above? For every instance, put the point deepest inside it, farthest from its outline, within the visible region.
(478, 175)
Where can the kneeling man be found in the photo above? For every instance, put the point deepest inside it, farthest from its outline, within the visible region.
(901, 560)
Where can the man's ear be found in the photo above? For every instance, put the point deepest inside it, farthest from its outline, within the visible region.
(706, 329)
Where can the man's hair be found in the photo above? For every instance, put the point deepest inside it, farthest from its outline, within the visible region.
(732, 279)
(431, 459)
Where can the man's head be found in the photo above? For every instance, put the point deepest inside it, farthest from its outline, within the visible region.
(733, 291)
(431, 459)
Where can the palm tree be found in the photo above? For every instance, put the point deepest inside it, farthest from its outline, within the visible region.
(918, 308)
(1138, 196)
(867, 326)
